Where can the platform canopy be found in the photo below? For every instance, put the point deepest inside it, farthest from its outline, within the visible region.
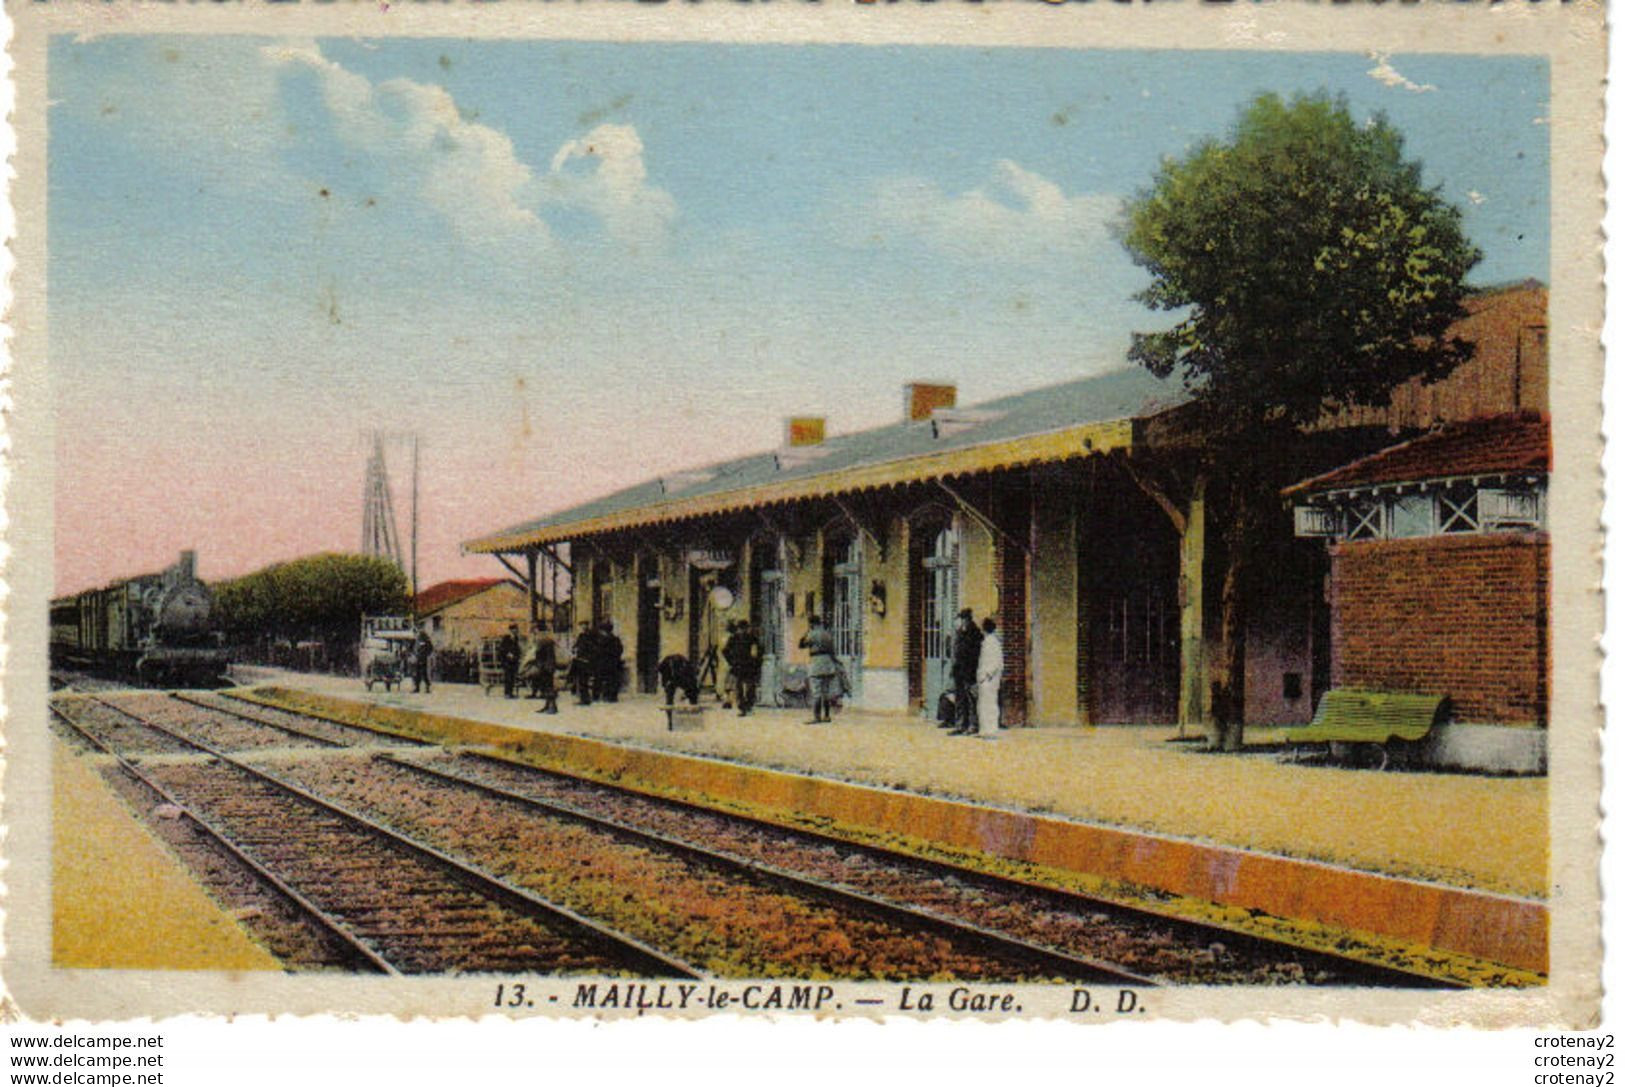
(1049, 425)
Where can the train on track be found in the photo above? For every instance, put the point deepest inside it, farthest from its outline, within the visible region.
(155, 629)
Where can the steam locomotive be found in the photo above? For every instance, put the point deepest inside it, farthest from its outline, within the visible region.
(155, 629)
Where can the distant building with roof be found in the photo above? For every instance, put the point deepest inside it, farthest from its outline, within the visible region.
(462, 613)
(1050, 510)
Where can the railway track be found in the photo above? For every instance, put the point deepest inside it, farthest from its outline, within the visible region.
(469, 807)
(257, 813)
(1141, 941)
(735, 917)
(302, 725)
(400, 906)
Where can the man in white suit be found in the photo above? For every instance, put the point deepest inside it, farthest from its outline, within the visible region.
(989, 674)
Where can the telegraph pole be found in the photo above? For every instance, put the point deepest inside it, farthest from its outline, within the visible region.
(414, 525)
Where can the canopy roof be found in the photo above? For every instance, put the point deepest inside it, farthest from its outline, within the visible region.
(1054, 423)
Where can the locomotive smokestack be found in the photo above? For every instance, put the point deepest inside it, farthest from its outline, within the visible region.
(187, 567)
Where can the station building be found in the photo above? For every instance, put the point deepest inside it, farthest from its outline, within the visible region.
(1062, 512)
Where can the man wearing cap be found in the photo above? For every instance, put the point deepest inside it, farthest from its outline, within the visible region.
(967, 654)
(823, 671)
(508, 658)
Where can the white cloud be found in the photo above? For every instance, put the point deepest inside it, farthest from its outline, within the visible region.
(1474, 196)
(1016, 216)
(604, 172)
(466, 171)
(1387, 75)
(471, 173)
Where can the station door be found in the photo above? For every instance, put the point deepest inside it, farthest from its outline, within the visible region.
(939, 607)
(1131, 619)
(846, 609)
(648, 654)
(767, 612)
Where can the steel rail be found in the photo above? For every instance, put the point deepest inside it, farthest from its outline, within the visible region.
(331, 719)
(326, 920)
(630, 949)
(1076, 967)
(192, 700)
(1057, 897)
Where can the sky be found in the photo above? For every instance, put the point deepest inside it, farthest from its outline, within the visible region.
(569, 267)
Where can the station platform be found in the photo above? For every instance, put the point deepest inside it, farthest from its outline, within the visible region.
(1453, 862)
(119, 898)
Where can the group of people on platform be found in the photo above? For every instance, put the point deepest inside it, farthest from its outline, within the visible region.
(595, 668)
(976, 670)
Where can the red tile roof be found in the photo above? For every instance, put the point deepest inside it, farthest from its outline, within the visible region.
(447, 593)
(1500, 445)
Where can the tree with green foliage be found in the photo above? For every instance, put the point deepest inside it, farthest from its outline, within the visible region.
(319, 597)
(1312, 270)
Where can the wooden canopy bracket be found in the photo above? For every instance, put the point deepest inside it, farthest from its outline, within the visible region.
(862, 526)
(1154, 491)
(768, 523)
(981, 517)
(512, 569)
(553, 555)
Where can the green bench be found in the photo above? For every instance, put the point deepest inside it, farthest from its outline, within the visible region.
(1375, 718)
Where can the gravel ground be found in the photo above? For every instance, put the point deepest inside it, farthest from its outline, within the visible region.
(715, 920)
(419, 916)
(1170, 952)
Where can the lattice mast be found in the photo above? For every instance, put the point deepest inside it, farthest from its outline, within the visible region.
(379, 536)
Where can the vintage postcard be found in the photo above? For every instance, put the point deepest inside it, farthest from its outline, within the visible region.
(859, 511)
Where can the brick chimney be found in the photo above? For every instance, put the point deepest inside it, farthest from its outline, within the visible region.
(921, 398)
(802, 430)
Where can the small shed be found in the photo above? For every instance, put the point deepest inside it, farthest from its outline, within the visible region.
(1440, 580)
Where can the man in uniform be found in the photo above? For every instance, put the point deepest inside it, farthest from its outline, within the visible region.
(609, 652)
(743, 653)
(544, 664)
(823, 671)
(422, 651)
(584, 663)
(508, 658)
(967, 656)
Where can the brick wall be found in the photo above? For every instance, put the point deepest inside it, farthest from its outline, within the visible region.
(1462, 616)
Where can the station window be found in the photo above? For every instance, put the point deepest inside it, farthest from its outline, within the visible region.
(1509, 509)
(1410, 515)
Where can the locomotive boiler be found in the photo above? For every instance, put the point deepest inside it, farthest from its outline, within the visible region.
(155, 629)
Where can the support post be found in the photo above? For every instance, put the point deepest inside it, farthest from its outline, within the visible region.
(1192, 657)
(530, 587)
